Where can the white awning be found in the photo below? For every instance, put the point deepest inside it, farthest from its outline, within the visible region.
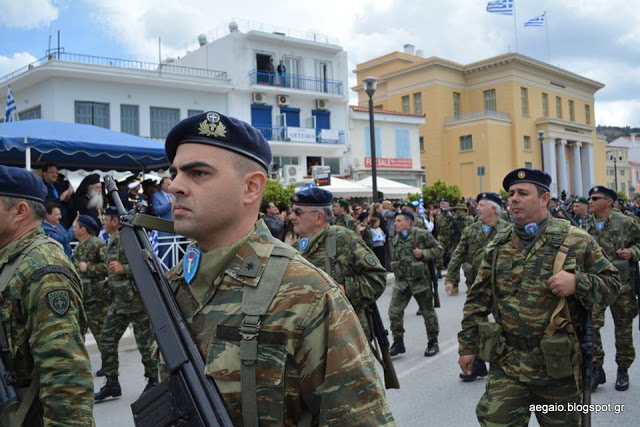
(392, 189)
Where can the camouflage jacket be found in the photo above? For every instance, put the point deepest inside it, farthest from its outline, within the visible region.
(524, 300)
(93, 251)
(360, 272)
(442, 225)
(347, 221)
(126, 299)
(403, 258)
(471, 248)
(44, 322)
(617, 231)
(312, 330)
(445, 228)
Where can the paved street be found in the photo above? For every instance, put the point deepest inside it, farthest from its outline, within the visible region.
(431, 392)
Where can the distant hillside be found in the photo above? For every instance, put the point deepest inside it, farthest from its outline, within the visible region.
(613, 132)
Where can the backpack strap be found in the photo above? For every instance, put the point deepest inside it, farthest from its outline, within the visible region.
(330, 248)
(255, 303)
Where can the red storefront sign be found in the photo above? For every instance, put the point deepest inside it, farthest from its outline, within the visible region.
(388, 162)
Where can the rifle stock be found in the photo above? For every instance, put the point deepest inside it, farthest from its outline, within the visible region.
(187, 396)
(380, 334)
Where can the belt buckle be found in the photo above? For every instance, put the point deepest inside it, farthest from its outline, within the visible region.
(255, 330)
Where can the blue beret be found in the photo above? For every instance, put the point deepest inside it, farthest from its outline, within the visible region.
(445, 199)
(532, 176)
(111, 211)
(493, 197)
(312, 196)
(216, 129)
(405, 213)
(22, 184)
(604, 190)
(88, 222)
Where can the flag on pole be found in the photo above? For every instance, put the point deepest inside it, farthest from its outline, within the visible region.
(421, 207)
(10, 112)
(538, 21)
(153, 239)
(500, 7)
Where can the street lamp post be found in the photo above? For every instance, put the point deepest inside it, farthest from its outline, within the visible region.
(541, 139)
(370, 84)
(615, 169)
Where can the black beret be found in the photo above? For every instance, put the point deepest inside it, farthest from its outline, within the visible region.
(532, 176)
(312, 196)
(445, 199)
(604, 190)
(89, 223)
(405, 213)
(493, 197)
(216, 129)
(111, 211)
(22, 184)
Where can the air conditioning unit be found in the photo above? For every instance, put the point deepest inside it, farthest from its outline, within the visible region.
(292, 173)
(259, 98)
(283, 100)
(321, 104)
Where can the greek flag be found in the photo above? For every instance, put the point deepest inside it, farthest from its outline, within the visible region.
(501, 7)
(10, 112)
(104, 235)
(421, 207)
(153, 239)
(538, 21)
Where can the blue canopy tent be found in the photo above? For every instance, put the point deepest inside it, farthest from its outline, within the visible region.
(75, 146)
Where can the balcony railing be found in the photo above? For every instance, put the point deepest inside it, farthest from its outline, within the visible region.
(310, 84)
(487, 114)
(119, 63)
(314, 136)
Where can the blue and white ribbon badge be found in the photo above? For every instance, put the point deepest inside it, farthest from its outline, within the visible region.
(190, 264)
(486, 229)
(531, 228)
(304, 243)
(404, 233)
(600, 225)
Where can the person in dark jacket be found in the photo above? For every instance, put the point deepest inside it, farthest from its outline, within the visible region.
(51, 225)
(273, 220)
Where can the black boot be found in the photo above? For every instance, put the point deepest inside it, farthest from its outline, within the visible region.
(432, 348)
(419, 312)
(439, 274)
(622, 381)
(151, 383)
(110, 389)
(599, 377)
(479, 370)
(397, 347)
(100, 373)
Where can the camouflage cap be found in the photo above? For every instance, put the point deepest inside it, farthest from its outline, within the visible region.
(212, 128)
(22, 184)
(532, 176)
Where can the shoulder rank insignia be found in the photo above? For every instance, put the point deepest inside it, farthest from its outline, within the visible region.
(250, 266)
(59, 302)
(190, 264)
(212, 126)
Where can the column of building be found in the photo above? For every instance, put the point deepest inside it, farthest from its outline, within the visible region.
(577, 170)
(549, 158)
(563, 181)
(588, 176)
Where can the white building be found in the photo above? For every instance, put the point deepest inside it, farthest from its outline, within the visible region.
(397, 145)
(304, 115)
(621, 154)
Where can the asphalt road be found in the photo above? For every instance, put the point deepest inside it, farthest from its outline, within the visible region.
(431, 393)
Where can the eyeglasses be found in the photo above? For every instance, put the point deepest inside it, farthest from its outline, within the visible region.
(596, 198)
(300, 212)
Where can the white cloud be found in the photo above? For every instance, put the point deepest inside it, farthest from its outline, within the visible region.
(618, 113)
(27, 14)
(18, 60)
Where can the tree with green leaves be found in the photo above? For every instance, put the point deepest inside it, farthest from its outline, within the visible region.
(277, 193)
(435, 192)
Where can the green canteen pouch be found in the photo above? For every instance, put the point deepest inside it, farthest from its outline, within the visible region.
(491, 343)
(86, 288)
(557, 350)
(417, 270)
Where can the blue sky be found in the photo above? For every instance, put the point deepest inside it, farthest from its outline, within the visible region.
(599, 39)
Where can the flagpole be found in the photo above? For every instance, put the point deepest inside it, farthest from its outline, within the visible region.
(546, 28)
(515, 28)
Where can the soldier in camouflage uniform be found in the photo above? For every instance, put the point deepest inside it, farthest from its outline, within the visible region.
(313, 360)
(443, 230)
(89, 258)
(581, 211)
(413, 248)
(43, 321)
(126, 308)
(619, 237)
(341, 216)
(522, 298)
(460, 222)
(354, 267)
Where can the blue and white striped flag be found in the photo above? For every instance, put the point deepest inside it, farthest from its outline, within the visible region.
(538, 21)
(104, 235)
(10, 112)
(500, 7)
(153, 239)
(421, 207)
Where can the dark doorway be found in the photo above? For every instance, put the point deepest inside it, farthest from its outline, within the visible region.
(313, 161)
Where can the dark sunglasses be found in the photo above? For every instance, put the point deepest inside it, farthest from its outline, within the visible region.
(300, 212)
(596, 198)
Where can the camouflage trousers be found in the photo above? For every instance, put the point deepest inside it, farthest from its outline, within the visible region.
(399, 301)
(96, 307)
(449, 245)
(114, 327)
(623, 310)
(506, 401)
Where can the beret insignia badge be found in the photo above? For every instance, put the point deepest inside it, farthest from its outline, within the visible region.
(521, 174)
(212, 126)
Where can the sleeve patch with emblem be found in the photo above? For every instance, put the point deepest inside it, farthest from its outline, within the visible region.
(59, 302)
(370, 259)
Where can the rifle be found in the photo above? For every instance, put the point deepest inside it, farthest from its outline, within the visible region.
(636, 282)
(568, 216)
(187, 396)
(434, 283)
(8, 399)
(588, 350)
(380, 334)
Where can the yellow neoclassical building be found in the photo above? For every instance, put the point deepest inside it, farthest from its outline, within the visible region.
(494, 115)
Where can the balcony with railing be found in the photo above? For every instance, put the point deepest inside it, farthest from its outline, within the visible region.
(302, 135)
(296, 82)
(118, 63)
(477, 115)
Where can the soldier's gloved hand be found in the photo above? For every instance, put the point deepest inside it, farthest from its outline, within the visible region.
(563, 284)
(624, 254)
(466, 363)
(417, 253)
